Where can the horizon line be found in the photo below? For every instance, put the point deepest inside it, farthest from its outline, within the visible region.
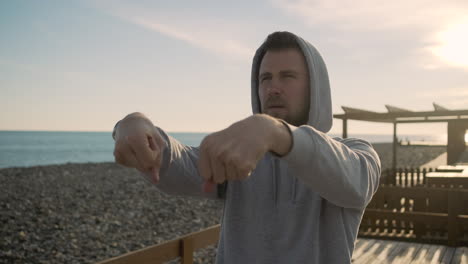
(203, 132)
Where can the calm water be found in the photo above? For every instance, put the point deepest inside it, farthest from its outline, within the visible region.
(30, 148)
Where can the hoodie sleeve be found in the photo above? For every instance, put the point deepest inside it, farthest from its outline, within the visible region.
(345, 172)
(179, 171)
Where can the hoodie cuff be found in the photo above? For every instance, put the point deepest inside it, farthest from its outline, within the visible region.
(290, 134)
(301, 144)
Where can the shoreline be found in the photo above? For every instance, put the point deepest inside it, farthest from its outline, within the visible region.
(88, 212)
(380, 147)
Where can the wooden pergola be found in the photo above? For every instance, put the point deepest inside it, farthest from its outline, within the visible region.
(457, 124)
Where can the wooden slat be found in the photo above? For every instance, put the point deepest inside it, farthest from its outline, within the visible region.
(404, 253)
(378, 251)
(460, 256)
(362, 245)
(384, 253)
(408, 255)
(421, 254)
(407, 177)
(438, 254)
(427, 255)
(417, 216)
(206, 237)
(372, 251)
(448, 255)
(153, 254)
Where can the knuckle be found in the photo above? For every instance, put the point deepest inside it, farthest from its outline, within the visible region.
(235, 160)
(250, 166)
(245, 170)
(221, 155)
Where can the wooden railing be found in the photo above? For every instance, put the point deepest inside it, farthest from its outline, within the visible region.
(407, 177)
(420, 214)
(182, 247)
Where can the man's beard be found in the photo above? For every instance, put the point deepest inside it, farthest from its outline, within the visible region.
(277, 101)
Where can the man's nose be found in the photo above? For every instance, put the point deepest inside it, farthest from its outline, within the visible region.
(275, 87)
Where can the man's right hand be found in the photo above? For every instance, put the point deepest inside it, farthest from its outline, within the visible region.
(139, 145)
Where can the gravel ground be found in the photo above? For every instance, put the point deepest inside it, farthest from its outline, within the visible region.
(84, 213)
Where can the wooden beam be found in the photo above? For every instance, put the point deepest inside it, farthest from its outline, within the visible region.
(392, 116)
(406, 216)
(349, 110)
(394, 109)
(345, 128)
(439, 108)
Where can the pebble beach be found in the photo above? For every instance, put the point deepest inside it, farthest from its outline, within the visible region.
(85, 213)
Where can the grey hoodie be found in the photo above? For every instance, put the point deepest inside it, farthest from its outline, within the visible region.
(305, 207)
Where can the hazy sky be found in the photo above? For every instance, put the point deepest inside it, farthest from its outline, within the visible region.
(83, 65)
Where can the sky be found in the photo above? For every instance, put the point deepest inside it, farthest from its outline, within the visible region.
(84, 65)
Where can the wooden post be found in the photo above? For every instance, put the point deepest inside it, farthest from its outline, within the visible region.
(406, 182)
(420, 205)
(424, 171)
(345, 128)
(187, 250)
(455, 205)
(456, 130)
(394, 163)
(418, 177)
(400, 177)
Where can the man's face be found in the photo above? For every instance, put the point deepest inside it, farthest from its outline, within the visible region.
(283, 86)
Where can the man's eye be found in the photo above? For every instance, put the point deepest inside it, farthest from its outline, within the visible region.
(265, 78)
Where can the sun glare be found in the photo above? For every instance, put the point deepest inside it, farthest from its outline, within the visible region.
(466, 138)
(453, 47)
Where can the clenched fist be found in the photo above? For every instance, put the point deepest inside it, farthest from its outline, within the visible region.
(138, 144)
(233, 153)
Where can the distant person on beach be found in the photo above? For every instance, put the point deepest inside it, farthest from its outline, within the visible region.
(292, 194)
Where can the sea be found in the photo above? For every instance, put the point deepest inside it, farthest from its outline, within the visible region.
(32, 148)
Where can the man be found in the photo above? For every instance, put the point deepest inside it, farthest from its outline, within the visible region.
(292, 193)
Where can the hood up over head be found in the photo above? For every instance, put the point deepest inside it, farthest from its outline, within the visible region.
(320, 112)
